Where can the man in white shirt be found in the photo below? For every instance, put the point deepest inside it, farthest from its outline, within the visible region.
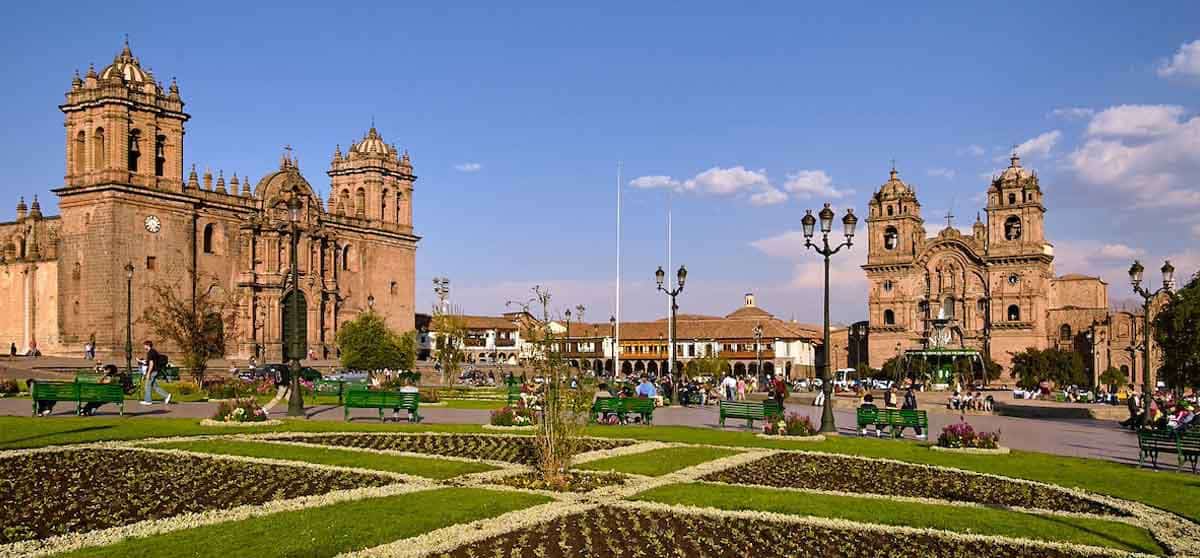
(729, 387)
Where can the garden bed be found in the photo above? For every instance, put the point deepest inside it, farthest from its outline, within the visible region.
(245, 424)
(973, 451)
(512, 449)
(620, 532)
(577, 481)
(46, 494)
(889, 478)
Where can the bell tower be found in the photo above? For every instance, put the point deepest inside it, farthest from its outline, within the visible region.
(372, 181)
(123, 128)
(1015, 212)
(895, 229)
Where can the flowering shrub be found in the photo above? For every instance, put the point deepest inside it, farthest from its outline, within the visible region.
(794, 425)
(228, 389)
(240, 410)
(9, 387)
(266, 386)
(961, 435)
(430, 396)
(519, 415)
(186, 387)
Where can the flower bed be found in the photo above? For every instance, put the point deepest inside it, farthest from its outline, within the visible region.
(244, 424)
(889, 478)
(512, 449)
(577, 481)
(794, 425)
(961, 435)
(615, 531)
(44, 494)
(518, 415)
(240, 410)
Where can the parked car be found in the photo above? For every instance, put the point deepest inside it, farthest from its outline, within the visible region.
(274, 371)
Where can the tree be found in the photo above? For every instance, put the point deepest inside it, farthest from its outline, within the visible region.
(711, 366)
(367, 343)
(1114, 379)
(450, 332)
(968, 369)
(199, 327)
(1177, 332)
(1063, 368)
(898, 368)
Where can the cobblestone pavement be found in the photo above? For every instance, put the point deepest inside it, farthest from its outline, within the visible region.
(1071, 437)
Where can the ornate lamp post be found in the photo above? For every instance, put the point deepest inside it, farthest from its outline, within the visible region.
(295, 344)
(612, 324)
(681, 276)
(758, 349)
(441, 287)
(825, 250)
(1135, 277)
(129, 318)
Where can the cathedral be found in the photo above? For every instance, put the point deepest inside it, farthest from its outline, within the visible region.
(996, 287)
(126, 201)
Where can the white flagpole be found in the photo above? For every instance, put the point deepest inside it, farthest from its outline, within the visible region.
(670, 271)
(617, 332)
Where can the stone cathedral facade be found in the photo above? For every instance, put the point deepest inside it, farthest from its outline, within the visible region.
(996, 286)
(126, 198)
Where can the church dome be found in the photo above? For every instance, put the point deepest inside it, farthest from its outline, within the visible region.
(126, 68)
(1015, 174)
(894, 188)
(372, 144)
(287, 178)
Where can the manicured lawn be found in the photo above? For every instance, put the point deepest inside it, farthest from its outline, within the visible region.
(980, 521)
(477, 404)
(324, 531)
(657, 462)
(421, 467)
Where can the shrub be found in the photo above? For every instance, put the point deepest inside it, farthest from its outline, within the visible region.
(186, 387)
(961, 435)
(513, 416)
(9, 387)
(228, 389)
(793, 425)
(430, 396)
(240, 410)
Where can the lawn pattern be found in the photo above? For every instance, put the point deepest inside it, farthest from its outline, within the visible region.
(511, 449)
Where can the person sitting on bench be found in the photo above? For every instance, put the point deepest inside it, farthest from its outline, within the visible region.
(109, 375)
(868, 404)
(44, 406)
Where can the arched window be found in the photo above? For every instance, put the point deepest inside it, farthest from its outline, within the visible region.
(383, 200)
(21, 248)
(208, 238)
(948, 307)
(346, 258)
(1012, 228)
(1125, 371)
(399, 206)
(981, 306)
(891, 238)
(360, 203)
(891, 211)
(1064, 332)
(889, 317)
(76, 271)
(134, 150)
(79, 155)
(1014, 313)
(1012, 199)
(98, 150)
(160, 155)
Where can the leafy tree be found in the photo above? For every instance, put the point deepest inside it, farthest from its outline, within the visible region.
(1061, 367)
(367, 343)
(898, 368)
(199, 327)
(711, 366)
(1113, 378)
(450, 331)
(1177, 332)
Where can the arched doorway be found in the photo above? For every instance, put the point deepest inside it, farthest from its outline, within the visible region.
(294, 325)
(626, 368)
(752, 368)
(739, 369)
(652, 367)
(639, 367)
(769, 368)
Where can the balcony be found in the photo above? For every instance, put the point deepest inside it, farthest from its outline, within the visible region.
(474, 342)
(765, 354)
(506, 342)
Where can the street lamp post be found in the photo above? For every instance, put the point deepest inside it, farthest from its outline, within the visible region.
(758, 350)
(616, 360)
(681, 276)
(825, 250)
(296, 343)
(129, 318)
(1135, 277)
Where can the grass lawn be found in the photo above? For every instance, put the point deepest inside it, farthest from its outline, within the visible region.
(421, 467)
(980, 521)
(657, 462)
(327, 530)
(476, 404)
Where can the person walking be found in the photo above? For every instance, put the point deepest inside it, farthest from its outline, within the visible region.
(12, 350)
(910, 404)
(729, 387)
(154, 365)
(779, 389)
(889, 398)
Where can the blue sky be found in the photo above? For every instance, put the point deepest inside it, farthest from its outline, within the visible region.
(786, 104)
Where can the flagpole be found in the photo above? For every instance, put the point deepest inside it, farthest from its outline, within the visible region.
(670, 300)
(617, 329)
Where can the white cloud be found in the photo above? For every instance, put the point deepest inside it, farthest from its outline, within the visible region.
(719, 180)
(770, 196)
(1148, 154)
(973, 150)
(1039, 146)
(1135, 121)
(1072, 113)
(808, 183)
(1118, 252)
(1185, 62)
(948, 174)
(468, 167)
(654, 181)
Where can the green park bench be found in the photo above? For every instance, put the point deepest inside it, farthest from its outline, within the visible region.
(95, 392)
(362, 398)
(623, 407)
(877, 417)
(1185, 446)
(329, 387)
(514, 391)
(45, 390)
(749, 410)
(907, 418)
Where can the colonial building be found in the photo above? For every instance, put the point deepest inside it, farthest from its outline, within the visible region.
(996, 286)
(125, 199)
(779, 346)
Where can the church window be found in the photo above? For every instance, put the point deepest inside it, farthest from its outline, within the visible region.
(1014, 313)
(399, 205)
(343, 202)
(76, 272)
(208, 238)
(891, 211)
(98, 147)
(1064, 332)
(889, 317)
(1012, 228)
(346, 258)
(151, 263)
(392, 287)
(981, 306)
(79, 155)
(160, 155)
(1014, 279)
(1012, 199)
(891, 238)
(948, 307)
(887, 285)
(383, 206)
(360, 203)
(134, 150)
(21, 248)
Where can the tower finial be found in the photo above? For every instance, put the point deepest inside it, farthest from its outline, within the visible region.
(893, 173)
(1015, 160)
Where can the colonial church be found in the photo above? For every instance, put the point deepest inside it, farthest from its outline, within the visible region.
(126, 200)
(996, 287)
